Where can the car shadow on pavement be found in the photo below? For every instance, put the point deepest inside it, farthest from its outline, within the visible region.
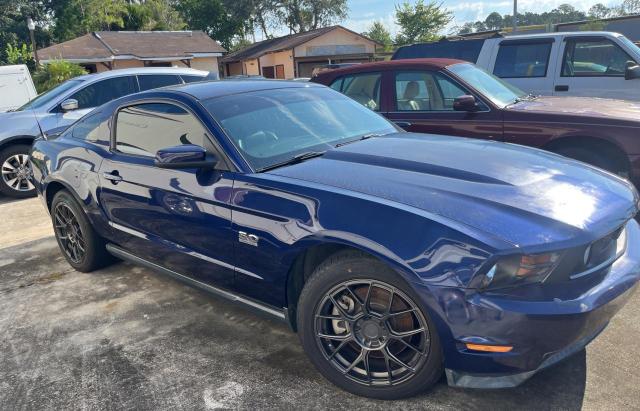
(8, 200)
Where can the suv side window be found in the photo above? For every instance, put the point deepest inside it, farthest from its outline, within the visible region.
(151, 81)
(594, 58)
(363, 88)
(143, 129)
(101, 92)
(522, 59)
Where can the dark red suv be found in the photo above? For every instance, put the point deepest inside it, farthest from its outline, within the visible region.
(453, 97)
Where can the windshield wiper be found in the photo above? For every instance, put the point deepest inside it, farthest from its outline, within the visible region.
(298, 158)
(528, 97)
(363, 137)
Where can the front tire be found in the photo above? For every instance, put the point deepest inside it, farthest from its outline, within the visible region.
(81, 246)
(366, 331)
(15, 172)
(589, 156)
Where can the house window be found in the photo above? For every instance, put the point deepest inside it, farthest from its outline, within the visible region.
(157, 64)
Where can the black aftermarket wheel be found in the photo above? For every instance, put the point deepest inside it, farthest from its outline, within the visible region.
(78, 241)
(364, 330)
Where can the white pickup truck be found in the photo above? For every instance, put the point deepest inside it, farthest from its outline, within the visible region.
(593, 64)
(16, 87)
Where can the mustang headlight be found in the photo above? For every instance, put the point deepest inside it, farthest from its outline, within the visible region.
(523, 268)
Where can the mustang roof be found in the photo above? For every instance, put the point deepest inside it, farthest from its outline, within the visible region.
(211, 89)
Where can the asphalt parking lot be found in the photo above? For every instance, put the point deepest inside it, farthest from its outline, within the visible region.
(128, 338)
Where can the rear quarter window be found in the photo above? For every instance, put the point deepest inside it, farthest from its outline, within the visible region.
(94, 128)
(522, 60)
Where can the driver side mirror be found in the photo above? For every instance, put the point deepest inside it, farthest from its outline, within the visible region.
(632, 72)
(465, 103)
(69, 105)
(185, 156)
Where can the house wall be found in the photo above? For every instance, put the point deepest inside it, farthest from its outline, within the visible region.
(204, 63)
(284, 58)
(200, 63)
(338, 41)
(234, 69)
(251, 67)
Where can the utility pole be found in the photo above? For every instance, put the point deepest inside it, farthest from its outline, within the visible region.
(515, 15)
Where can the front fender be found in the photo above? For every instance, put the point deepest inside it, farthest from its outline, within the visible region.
(290, 218)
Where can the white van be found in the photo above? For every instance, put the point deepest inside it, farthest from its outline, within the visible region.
(593, 64)
(16, 87)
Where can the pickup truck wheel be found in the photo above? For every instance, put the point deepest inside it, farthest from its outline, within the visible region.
(15, 179)
(595, 159)
(365, 330)
(81, 246)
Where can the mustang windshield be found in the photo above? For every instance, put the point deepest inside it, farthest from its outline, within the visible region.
(46, 97)
(271, 127)
(498, 91)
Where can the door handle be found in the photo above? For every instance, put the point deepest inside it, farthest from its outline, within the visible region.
(403, 124)
(114, 176)
(562, 88)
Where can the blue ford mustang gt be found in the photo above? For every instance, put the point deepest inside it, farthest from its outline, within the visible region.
(395, 256)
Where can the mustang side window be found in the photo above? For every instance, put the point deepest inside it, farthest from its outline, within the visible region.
(144, 129)
(363, 88)
(594, 58)
(94, 128)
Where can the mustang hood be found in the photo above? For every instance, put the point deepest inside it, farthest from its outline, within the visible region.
(598, 108)
(485, 185)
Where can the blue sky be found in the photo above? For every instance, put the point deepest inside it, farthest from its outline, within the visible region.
(363, 12)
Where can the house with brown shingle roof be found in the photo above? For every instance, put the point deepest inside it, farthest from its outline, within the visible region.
(296, 55)
(108, 50)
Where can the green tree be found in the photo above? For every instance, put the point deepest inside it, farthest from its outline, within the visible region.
(21, 55)
(239, 44)
(153, 15)
(304, 15)
(13, 26)
(74, 18)
(51, 74)
(212, 17)
(494, 21)
(599, 11)
(378, 32)
(629, 7)
(421, 22)
(466, 28)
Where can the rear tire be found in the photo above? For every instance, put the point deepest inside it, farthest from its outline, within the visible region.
(15, 172)
(81, 246)
(375, 307)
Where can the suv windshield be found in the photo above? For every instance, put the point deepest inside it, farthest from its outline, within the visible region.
(498, 91)
(631, 45)
(270, 127)
(46, 97)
